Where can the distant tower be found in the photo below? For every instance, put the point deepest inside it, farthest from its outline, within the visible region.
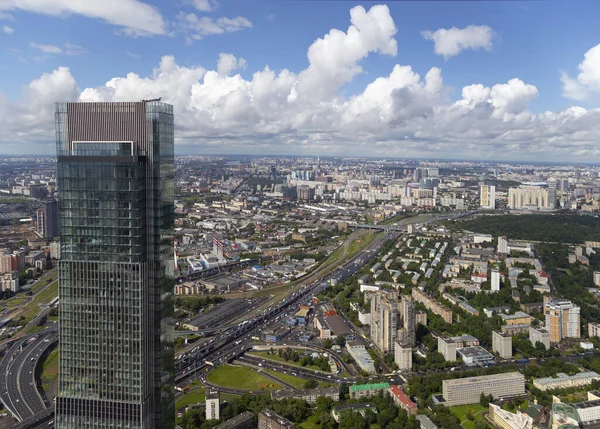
(409, 321)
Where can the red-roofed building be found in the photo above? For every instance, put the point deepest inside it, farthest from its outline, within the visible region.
(542, 277)
(479, 277)
(402, 400)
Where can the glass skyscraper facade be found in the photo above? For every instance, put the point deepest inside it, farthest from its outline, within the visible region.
(116, 187)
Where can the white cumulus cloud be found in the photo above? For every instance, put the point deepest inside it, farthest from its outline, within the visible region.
(7, 30)
(133, 16)
(587, 81)
(452, 41)
(197, 27)
(205, 5)
(406, 113)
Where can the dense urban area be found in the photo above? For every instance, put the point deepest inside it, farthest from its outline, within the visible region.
(343, 293)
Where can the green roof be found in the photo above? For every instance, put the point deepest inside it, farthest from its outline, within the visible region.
(375, 386)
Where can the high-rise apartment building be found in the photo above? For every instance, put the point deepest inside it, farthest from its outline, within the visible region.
(502, 245)
(495, 286)
(502, 344)
(403, 356)
(115, 178)
(212, 404)
(48, 219)
(487, 197)
(384, 319)
(528, 197)
(562, 320)
(11, 261)
(409, 322)
(539, 335)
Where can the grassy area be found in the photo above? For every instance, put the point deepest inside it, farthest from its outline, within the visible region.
(49, 277)
(45, 297)
(476, 410)
(192, 396)
(290, 379)
(17, 300)
(276, 358)
(50, 369)
(239, 377)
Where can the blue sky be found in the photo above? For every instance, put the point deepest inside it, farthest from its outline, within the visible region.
(532, 41)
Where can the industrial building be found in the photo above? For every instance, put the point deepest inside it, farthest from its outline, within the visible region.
(361, 356)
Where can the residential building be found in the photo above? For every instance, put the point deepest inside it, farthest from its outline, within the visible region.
(539, 335)
(338, 410)
(562, 320)
(115, 175)
(402, 400)
(502, 344)
(308, 395)
(268, 419)
(47, 222)
(425, 422)
(495, 280)
(447, 346)
(519, 318)
(403, 356)
(361, 356)
(409, 321)
(502, 245)
(432, 305)
(529, 198)
(507, 420)
(55, 250)
(564, 381)
(358, 391)
(593, 329)
(596, 278)
(212, 404)
(384, 319)
(487, 197)
(475, 355)
(10, 281)
(462, 391)
(11, 261)
(241, 421)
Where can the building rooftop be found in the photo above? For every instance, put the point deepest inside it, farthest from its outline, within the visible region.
(337, 325)
(402, 397)
(235, 421)
(212, 394)
(561, 376)
(276, 417)
(323, 391)
(355, 407)
(303, 312)
(458, 382)
(517, 315)
(374, 386)
(474, 351)
(425, 422)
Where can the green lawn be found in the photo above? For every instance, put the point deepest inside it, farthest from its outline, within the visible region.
(290, 379)
(276, 358)
(43, 281)
(240, 377)
(45, 297)
(192, 396)
(50, 369)
(461, 411)
(17, 300)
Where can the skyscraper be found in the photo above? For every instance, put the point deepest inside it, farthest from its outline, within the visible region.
(487, 196)
(562, 320)
(384, 319)
(409, 321)
(115, 176)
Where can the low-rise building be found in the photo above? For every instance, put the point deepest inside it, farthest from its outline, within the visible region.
(462, 391)
(337, 411)
(358, 391)
(519, 318)
(308, 395)
(425, 422)
(475, 355)
(447, 346)
(593, 329)
(402, 400)
(241, 421)
(361, 356)
(507, 420)
(564, 381)
(268, 419)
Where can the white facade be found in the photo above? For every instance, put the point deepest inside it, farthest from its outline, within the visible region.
(502, 344)
(403, 356)
(529, 197)
(495, 280)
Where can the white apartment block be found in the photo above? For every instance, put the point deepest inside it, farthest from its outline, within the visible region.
(502, 344)
(463, 391)
(403, 356)
(487, 196)
(539, 335)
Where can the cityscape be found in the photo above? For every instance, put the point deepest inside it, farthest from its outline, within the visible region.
(338, 245)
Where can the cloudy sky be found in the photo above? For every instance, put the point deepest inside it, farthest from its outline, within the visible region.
(472, 80)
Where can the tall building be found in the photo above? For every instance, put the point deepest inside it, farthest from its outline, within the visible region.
(115, 177)
(502, 245)
(409, 322)
(468, 390)
(502, 344)
(384, 319)
(495, 281)
(47, 222)
(562, 320)
(528, 197)
(487, 197)
(11, 261)
(403, 356)
(539, 335)
(212, 404)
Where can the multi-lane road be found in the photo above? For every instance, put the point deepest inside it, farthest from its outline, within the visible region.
(18, 386)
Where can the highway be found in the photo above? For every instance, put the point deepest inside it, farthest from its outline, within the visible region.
(224, 347)
(19, 391)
